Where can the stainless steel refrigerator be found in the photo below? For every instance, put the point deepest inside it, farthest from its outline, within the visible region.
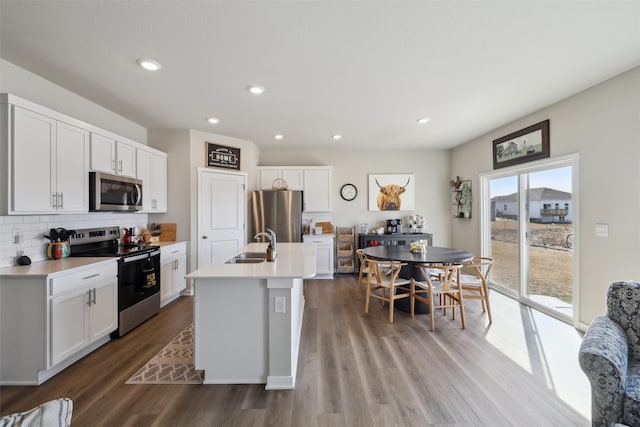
(280, 211)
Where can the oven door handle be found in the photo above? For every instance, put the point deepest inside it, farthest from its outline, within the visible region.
(139, 257)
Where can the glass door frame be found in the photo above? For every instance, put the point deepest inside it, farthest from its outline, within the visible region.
(520, 171)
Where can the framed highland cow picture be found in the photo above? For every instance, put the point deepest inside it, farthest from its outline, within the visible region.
(525, 145)
(392, 192)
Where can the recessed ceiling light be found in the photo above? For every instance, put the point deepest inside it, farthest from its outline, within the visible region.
(423, 120)
(278, 136)
(255, 89)
(149, 64)
(336, 136)
(213, 120)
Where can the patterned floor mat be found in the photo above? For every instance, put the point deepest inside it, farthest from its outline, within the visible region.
(172, 365)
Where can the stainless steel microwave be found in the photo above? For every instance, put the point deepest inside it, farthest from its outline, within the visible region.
(114, 193)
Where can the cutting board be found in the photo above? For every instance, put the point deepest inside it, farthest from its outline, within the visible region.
(168, 232)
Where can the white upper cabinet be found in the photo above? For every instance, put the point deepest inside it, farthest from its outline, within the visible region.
(292, 176)
(315, 181)
(46, 156)
(72, 160)
(317, 189)
(48, 171)
(152, 170)
(111, 156)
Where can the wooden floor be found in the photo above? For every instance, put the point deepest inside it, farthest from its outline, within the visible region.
(354, 370)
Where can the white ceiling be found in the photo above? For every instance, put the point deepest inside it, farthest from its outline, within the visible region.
(366, 70)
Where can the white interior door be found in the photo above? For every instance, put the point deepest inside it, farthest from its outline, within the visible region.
(221, 214)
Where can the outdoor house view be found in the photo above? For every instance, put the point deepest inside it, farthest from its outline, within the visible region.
(535, 223)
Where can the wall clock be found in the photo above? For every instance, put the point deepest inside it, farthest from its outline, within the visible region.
(348, 192)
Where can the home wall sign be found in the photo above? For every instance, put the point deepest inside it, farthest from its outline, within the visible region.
(392, 192)
(525, 145)
(221, 156)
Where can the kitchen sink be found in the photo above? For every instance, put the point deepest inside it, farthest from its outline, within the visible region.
(248, 258)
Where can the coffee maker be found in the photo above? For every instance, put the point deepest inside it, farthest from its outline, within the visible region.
(393, 226)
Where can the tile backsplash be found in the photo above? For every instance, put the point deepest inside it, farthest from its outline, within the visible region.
(32, 228)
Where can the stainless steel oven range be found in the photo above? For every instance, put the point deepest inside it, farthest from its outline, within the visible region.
(138, 273)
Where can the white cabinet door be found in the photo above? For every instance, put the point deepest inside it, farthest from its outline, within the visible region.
(317, 190)
(103, 317)
(158, 183)
(152, 170)
(32, 148)
(49, 165)
(166, 280)
(173, 262)
(294, 178)
(111, 156)
(324, 259)
(125, 159)
(267, 176)
(103, 154)
(179, 282)
(72, 148)
(324, 254)
(69, 324)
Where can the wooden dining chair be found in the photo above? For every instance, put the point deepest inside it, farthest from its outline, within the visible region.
(438, 290)
(474, 281)
(383, 278)
(363, 273)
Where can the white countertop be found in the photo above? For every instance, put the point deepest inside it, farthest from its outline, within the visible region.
(52, 267)
(292, 260)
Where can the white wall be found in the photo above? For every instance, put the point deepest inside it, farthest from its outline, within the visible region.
(431, 169)
(34, 88)
(185, 154)
(602, 124)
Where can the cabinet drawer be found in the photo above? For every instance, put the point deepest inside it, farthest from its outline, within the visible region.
(172, 252)
(69, 282)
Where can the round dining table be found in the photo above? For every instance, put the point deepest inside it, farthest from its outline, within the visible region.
(432, 255)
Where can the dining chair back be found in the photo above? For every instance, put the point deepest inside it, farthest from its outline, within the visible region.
(383, 279)
(439, 289)
(363, 273)
(474, 281)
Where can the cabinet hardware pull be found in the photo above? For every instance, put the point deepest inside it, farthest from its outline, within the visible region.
(94, 295)
(91, 276)
(61, 201)
(54, 200)
(120, 163)
(114, 164)
(89, 302)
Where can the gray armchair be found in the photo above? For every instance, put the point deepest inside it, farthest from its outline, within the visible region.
(610, 357)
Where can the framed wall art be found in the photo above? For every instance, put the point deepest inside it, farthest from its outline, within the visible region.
(221, 156)
(392, 192)
(525, 145)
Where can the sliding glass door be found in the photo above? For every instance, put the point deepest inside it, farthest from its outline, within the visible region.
(529, 215)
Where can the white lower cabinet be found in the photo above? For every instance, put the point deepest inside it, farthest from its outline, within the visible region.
(324, 254)
(81, 310)
(84, 314)
(173, 268)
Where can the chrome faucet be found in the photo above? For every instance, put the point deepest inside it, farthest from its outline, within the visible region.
(271, 236)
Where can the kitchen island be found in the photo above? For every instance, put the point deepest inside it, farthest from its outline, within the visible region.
(248, 317)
